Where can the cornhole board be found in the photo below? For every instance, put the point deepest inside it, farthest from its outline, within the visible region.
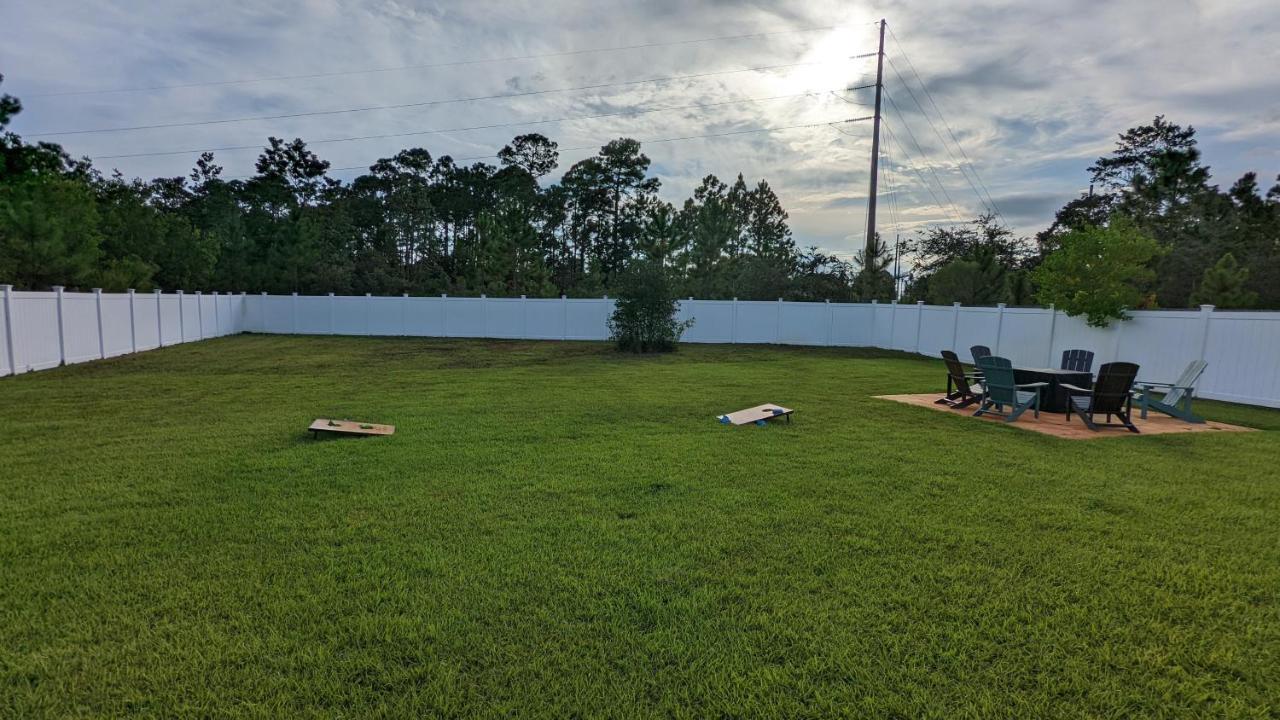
(349, 427)
(758, 415)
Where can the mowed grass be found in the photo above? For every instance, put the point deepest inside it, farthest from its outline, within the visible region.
(557, 530)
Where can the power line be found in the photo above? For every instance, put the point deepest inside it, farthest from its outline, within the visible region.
(972, 166)
(425, 103)
(929, 166)
(522, 123)
(427, 66)
(651, 141)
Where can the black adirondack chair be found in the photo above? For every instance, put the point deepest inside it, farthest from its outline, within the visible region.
(1111, 395)
(960, 393)
(978, 352)
(1077, 360)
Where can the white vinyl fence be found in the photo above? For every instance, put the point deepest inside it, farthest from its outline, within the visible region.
(43, 330)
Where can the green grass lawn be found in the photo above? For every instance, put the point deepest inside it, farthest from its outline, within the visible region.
(558, 530)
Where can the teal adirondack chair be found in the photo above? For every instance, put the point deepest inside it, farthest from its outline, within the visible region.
(1000, 389)
(1176, 396)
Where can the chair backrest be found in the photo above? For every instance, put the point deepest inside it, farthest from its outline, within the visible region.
(1111, 389)
(1077, 360)
(997, 375)
(1187, 379)
(978, 352)
(956, 371)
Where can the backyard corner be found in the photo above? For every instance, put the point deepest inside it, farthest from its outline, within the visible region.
(557, 529)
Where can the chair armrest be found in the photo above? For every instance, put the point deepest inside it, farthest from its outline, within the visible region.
(1154, 384)
(1073, 389)
(1034, 385)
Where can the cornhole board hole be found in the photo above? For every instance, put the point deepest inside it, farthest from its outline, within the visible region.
(349, 427)
(759, 415)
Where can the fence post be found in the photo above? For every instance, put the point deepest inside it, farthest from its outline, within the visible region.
(524, 317)
(8, 327)
(875, 339)
(262, 312)
(404, 315)
(97, 306)
(564, 317)
(955, 325)
(159, 321)
(1206, 316)
(368, 310)
(733, 322)
(484, 316)
(293, 312)
(200, 312)
(182, 318)
(444, 315)
(777, 328)
(62, 340)
(133, 325)
(830, 320)
(999, 325)
(1053, 322)
(893, 320)
(919, 322)
(331, 302)
(244, 311)
(217, 316)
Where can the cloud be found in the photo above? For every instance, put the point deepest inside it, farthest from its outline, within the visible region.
(1034, 92)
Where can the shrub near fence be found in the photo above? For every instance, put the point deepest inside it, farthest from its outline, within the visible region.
(46, 329)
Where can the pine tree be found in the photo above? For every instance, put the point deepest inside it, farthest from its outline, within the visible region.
(1224, 286)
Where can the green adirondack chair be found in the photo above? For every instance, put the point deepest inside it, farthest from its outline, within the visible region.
(960, 393)
(1175, 397)
(1000, 389)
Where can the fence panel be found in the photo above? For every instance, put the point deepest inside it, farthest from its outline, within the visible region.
(937, 330)
(587, 319)
(713, 320)
(35, 331)
(803, 323)
(117, 325)
(1243, 352)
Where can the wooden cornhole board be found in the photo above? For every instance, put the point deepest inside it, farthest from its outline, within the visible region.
(758, 415)
(349, 427)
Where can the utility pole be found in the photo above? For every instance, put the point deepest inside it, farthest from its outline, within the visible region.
(875, 152)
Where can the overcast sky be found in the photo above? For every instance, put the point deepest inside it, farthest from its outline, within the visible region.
(1033, 91)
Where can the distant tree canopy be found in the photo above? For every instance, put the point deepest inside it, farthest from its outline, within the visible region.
(413, 223)
(421, 224)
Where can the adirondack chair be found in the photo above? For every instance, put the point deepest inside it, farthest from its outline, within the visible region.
(978, 352)
(1077, 360)
(1000, 389)
(960, 393)
(1111, 394)
(1176, 396)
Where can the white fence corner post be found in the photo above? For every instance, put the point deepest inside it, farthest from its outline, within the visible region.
(404, 314)
(777, 328)
(919, 322)
(368, 312)
(244, 312)
(217, 316)
(262, 312)
(200, 313)
(564, 317)
(7, 291)
(182, 318)
(444, 315)
(62, 338)
(955, 325)
(893, 320)
(999, 325)
(484, 315)
(159, 320)
(294, 313)
(1206, 317)
(875, 333)
(733, 322)
(830, 320)
(1053, 322)
(331, 302)
(102, 342)
(133, 327)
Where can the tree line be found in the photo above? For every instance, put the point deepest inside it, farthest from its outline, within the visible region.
(424, 225)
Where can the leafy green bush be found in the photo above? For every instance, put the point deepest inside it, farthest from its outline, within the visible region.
(644, 316)
(1098, 272)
